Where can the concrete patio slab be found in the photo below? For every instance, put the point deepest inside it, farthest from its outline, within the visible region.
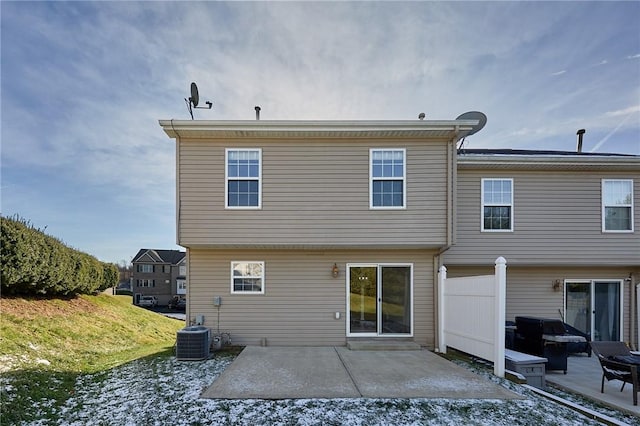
(584, 376)
(283, 373)
(328, 372)
(416, 374)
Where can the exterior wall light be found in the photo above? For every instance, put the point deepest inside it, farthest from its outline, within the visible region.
(556, 285)
(335, 271)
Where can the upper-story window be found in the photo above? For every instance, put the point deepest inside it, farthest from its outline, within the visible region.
(617, 205)
(182, 271)
(243, 178)
(145, 268)
(387, 178)
(497, 204)
(181, 286)
(247, 277)
(145, 283)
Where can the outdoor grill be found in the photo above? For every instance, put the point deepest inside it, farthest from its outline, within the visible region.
(545, 338)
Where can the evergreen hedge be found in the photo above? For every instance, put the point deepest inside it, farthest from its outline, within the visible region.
(34, 263)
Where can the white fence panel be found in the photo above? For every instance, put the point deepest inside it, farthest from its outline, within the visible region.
(470, 317)
(472, 313)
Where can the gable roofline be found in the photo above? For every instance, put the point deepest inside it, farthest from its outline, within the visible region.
(210, 129)
(145, 252)
(172, 257)
(544, 159)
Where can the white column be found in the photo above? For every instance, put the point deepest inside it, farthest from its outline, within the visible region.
(442, 278)
(500, 307)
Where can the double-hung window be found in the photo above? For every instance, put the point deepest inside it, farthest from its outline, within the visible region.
(145, 268)
(181, 286)
(497, 204)
(617, 205)
(146, 283)
(243, 176)
(387, 178)
(247, 277)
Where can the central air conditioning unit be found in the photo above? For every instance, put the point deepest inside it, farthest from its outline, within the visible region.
(192, 343)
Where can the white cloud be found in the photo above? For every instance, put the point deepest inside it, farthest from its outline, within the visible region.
(84, 83)
(625, 111)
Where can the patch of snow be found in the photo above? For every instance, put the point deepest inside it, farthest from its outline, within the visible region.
(42, 361)
(32, 346)
(7, 362)
(12, 362)
(177, 316)
(162, 390)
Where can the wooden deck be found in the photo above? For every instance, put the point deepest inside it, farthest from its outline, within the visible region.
(584, 375)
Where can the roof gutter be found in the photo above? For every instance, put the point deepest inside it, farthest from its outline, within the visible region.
(509, 161)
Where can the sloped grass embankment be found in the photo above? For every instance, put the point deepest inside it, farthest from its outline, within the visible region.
(45, 344)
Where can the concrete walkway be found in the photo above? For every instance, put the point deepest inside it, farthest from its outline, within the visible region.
(337, 372)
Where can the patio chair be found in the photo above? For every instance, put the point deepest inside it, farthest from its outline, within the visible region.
(618, 363)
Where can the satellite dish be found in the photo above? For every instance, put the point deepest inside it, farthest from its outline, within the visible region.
(474, 115)
(194, 99)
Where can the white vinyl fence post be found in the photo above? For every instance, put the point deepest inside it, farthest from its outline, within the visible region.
(442, 277)
(500, 307)
(638, 313)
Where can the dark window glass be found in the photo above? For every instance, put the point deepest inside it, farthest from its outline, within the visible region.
(387, 193)
(243, 193)
(617, 218)
(497, 218)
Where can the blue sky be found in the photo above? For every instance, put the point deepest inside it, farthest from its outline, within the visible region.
(83, 85)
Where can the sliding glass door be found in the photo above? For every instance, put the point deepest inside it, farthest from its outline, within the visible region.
(595, 307)
(363, 296)
(395, 307)
(380, 300)
(606, 311)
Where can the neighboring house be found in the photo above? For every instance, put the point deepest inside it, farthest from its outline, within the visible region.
(568, 225)
(159, 273)
(316, 232)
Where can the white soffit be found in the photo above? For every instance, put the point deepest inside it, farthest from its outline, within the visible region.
(201, 129)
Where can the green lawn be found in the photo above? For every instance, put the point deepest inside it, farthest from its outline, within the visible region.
(46, 343)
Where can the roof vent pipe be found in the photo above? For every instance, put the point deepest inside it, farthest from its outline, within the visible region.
(580, 133)
(257, 108)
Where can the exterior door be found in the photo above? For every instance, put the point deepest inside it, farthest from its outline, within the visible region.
(380, 300)
(595, 308)
(362, 303)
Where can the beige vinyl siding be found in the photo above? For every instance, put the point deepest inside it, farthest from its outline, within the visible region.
(557, 220)
(315, 192)
(301, 295)
(530, 289)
